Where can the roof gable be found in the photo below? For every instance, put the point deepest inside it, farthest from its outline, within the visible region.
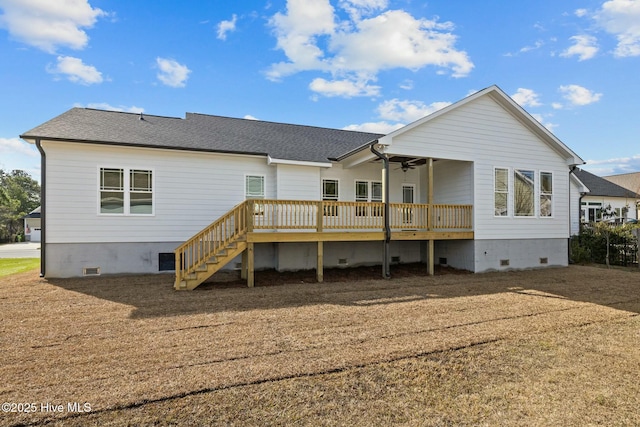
(508, 105)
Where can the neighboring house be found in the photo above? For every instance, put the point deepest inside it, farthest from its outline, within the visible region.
(32, 228)
(479, 185)
(605, 197)
(630, 181)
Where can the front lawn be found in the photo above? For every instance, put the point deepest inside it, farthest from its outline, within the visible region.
(10, 266)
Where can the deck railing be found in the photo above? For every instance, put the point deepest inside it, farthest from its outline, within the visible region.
(259, 214)
(333, 215)
(211, 240)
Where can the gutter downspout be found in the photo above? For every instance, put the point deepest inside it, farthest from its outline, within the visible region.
(571, 172)
(43, 208)
(386, 273)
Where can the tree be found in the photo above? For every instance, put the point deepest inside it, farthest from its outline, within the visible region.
(19, 195)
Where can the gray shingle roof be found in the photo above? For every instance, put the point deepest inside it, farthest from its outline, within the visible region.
(202, 132)
(601, 187)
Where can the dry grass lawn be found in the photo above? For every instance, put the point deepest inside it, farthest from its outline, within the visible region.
(536, 348)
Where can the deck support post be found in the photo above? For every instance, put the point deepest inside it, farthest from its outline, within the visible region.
(430, 255)
(250, 266)
(320, 262)
(430, 259)
(243, 267)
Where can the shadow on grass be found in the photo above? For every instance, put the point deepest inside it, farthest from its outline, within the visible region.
(153, 295)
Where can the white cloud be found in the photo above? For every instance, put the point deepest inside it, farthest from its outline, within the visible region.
(408, 111)
(622, 19)
(109, 107)
(526, 98)
(48, 24)
(407, 84)
(313, 37)
(358, 8)
(375, 127)
(580, 12)
(76, 71)
(578, 95)
(585, 47)
(540, 118)
(17, 146)
(614, 166)
(172, 73)
(225, 27)
(343, 88)
(397, 113)
(250, 117)
(537, 45)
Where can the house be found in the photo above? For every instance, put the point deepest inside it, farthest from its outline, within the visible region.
(32, 228)
(630, 181)
(479, 185)
(605, 196)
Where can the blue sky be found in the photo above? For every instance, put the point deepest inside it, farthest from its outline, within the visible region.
(372, 65)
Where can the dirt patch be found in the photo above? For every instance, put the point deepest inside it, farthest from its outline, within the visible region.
(227, 278)
(544, 347)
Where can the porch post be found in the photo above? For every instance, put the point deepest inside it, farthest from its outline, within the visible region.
(320, 262)
(250, 272)
(430, 256)
(243, 268)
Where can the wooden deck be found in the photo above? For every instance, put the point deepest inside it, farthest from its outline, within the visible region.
(271, 221)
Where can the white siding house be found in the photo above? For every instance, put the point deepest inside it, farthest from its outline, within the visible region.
(123, 191)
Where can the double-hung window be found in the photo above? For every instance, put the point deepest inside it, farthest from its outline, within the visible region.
(330, 193)
(524, 182)
(546, 194)
(254, 187)
(501, 192)
(368, 191)
(126, 191)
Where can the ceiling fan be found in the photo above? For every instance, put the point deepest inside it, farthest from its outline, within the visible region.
(406, 165)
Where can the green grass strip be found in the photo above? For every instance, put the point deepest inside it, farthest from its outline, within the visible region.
(9, 266)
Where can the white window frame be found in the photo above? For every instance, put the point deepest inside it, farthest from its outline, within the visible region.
(534, 195)
(330, 210)
(331, 198)
(369, 197)
(248, 196)
(126, 190)
(507, 192)
(542, 193)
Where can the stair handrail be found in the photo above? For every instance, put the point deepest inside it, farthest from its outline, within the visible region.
(210, 240)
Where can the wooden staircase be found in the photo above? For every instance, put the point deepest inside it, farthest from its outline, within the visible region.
(211, 249)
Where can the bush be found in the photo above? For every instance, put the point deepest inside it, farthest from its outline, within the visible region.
(590, 246)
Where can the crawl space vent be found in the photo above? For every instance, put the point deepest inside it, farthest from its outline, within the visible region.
(504, 263)
(544, 261)
(342, 261)
(91, 271)
(395, 259)
(442, 261)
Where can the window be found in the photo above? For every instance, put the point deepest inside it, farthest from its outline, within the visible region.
(362, 195)
(140, 192)
(501, 192)
(524, 187)
(330, 192)
(546, 194)
(408, 196)
(254, 187)
(111, 191)
(368, 191)
(126, 192)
